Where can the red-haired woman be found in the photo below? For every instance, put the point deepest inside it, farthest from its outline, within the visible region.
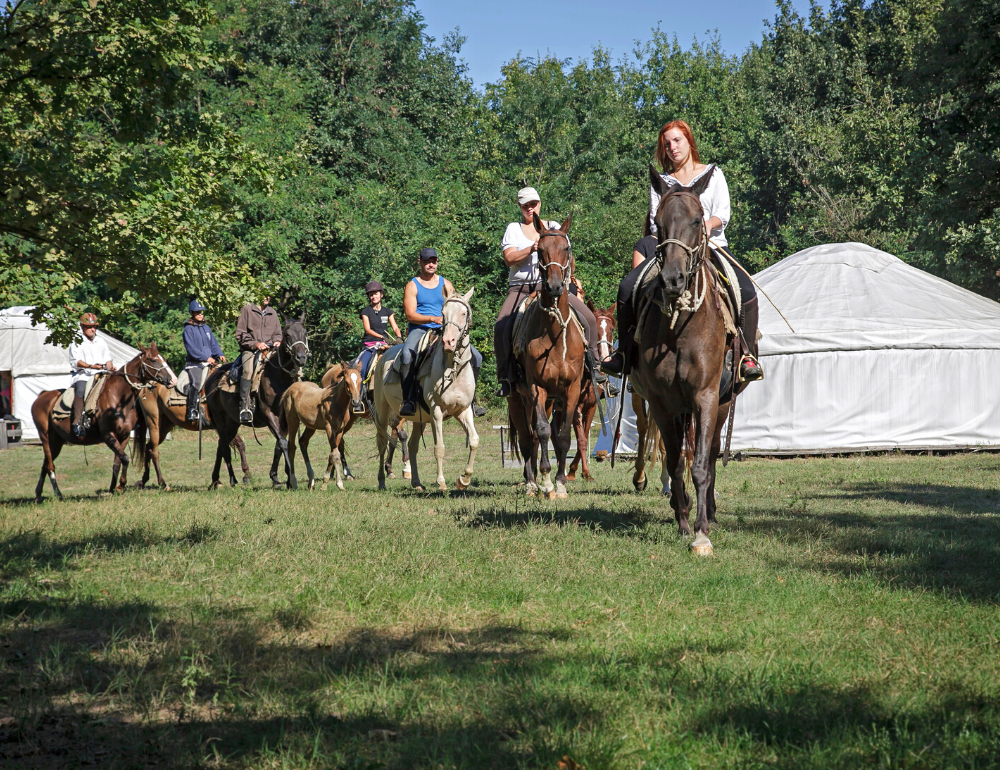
(677, 154)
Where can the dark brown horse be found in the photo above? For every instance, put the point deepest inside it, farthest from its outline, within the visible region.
(281, 369)
(160, 419)
(552, 362)
(116, 415)
(583, 419)
(681, 351)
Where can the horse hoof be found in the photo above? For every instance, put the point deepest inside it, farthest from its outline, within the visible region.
(442, 487)
(391, 475)
(640, 486)
(166, 488)
(570, 477)
(701, 545)
(215, 485)
(460, 486)
(349, 477)
(420, 488)
(557, 495)
(38, 500)
(340, 486)
(140, 485)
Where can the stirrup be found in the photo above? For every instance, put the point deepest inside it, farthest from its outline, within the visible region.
(407, 409)
(78, 430)
(753, 372)
(611, 390)
(246, 416)
(505, 389)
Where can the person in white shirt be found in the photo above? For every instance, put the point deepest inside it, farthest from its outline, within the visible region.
(677, 154)
(86, 359)
(520, 253)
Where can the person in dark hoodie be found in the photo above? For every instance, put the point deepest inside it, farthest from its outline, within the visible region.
(203, 350)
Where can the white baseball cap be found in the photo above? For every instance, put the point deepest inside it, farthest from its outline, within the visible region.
(526, 194)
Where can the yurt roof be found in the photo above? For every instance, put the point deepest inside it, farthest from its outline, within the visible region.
(849, 296)
(23, 350)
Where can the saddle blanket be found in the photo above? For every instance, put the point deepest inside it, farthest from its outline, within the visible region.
(424, 347)
(64, 407)
(520, 327)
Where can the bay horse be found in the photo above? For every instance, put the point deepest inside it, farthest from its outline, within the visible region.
(583, 418)
(332, 408)
(280, 369)
(397, 435)
(449, 385)
(116, 415)
(161, 418)
(681, 350)
(552, 362)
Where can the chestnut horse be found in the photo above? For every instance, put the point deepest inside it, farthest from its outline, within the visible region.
(681, 351)
(332, 408)
(161, 418)
(115, 417)
(583, 419)
(552, 362)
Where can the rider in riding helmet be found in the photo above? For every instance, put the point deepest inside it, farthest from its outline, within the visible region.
(203, 350)
(257, 330)
(423, 304)
(376, 320)
(520, 254)
(86, 358)
(677, 155)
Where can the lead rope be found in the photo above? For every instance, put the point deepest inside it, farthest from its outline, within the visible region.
(563, 324)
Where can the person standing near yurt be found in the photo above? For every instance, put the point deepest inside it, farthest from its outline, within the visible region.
(677, 154)
(86, 358)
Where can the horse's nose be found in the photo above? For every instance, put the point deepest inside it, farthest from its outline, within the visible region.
(673, 281)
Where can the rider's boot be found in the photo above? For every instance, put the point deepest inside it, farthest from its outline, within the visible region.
(599, 377)
(409, 407)
(750, 368)
(477, 410)
(192, 404)
(246, 416)
(618, 363)
(78, 431)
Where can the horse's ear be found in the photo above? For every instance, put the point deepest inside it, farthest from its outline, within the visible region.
(538, 223)
(302, 318)
(446, 292)
(284, 321)
(590, 304)
(468, 295)
(564, 227)
(702, 184)
(152, 348)
(657, 182)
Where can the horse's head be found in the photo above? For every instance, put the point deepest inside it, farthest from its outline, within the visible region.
(350, 376)
(294, 342)
(457, 316)
(555, 257)
(153, 367)
(606, 324)
(681, 226)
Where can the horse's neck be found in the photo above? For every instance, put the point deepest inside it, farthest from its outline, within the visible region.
(551, 304)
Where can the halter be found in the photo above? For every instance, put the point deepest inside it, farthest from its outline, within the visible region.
(287, 348)
(688, 300)
(144, 368)
(566, 268)
(462, 330)
(696, 254)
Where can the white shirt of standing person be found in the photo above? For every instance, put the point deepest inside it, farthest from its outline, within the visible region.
(526, 271)
(714, 202)
(92, 352)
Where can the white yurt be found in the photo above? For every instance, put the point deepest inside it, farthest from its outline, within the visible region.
(34, 366)
(876, 355)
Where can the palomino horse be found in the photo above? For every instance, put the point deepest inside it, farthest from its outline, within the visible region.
(448, 385)
(115, 417)
(332, 408)
(649, 449)
(161, 418)
(281, 369)
(681, 352)
(396, 437)
(583, 419)
(552, 362)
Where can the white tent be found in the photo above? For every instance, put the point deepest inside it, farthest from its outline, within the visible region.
(35, 366)
(883, 356)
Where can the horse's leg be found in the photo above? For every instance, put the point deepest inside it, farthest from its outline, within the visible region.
(393, 441)
(583, 436)
(382, 442)
(334, 461)
(50, 453)
(437, 435)
(468, 420)
(562, 439)
(706, 410)
(712, 460)
(639, 479)
(664, 470)
(304, 440)
(525, 441)
(153, 454)
(418, 431)
(401, 432)
(672, 440)
(342, 449)
(544, 432)
(222, 431)
(578, 429)
(121, 461)
(242, 449)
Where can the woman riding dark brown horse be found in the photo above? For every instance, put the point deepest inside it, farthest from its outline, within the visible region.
(280, 370)
(681, 350)
(115, 416)
(552, 361)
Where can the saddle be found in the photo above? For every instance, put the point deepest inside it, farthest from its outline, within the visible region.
(178, 393)
(64, 406)
(231, 382)
(519, 328)
(424, 349)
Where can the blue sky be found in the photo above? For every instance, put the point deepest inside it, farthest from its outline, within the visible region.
(496, 31)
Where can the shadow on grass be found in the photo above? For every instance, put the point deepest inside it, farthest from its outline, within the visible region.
(631, 518)
(955, 552)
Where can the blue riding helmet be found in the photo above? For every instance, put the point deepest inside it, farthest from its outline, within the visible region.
(196, 307)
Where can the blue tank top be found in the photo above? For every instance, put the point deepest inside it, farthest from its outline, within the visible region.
(429, 302)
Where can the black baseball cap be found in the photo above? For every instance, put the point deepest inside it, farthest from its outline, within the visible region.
(426, 255)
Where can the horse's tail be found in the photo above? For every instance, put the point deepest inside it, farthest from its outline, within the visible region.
(139, 451)
(685, 426)
(651, 442)
(515, 447)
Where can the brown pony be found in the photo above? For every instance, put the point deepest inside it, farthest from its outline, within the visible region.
(115, 417)
(161, 418)
(397, 434)
(583, 419)
(681, 352)
(552, 362)
(332, 408)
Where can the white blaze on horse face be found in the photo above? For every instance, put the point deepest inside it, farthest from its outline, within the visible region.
(604, 341)
(354, 381)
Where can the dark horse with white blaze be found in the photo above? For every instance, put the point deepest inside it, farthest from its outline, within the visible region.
(552, 362)
(281, 369)
(116, 415)
(681, 352)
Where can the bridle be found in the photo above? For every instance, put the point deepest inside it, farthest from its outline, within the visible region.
(565, 268)
(145, 368)
(697, 253)
(462, 330)
(288, 348)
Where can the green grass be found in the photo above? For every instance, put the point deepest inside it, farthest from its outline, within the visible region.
(848, 619)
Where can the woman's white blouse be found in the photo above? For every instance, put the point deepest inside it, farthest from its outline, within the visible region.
(527, 270)
(714, 202)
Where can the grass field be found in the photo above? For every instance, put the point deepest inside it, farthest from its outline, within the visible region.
(848, 619)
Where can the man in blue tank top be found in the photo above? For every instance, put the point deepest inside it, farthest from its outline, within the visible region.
(423, 303)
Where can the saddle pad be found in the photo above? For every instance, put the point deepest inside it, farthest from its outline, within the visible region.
(392, 370)
(91, 393)
(726, 268)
